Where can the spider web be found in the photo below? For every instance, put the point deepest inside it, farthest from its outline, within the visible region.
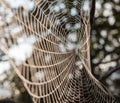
(58, 67)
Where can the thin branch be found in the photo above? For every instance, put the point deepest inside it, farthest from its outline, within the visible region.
(92, 12)
(105, 76)
(107, 53)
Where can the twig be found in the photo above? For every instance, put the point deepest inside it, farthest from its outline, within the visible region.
(92, 12)
(105, 76)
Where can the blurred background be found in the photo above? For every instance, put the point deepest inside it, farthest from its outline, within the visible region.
(105, 50)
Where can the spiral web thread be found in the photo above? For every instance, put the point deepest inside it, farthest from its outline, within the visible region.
(56, 72)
